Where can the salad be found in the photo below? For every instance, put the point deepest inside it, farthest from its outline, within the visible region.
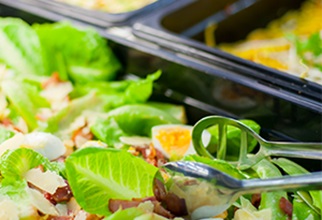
(292, 43)
(76, 143)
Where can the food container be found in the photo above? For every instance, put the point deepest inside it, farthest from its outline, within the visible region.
(181, 27)
(94, 17)
(204, 88)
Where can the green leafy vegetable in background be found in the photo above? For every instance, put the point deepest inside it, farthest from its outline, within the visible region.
(77, 54)
(25, 98)
(309, 49)
(233, 138)
(97, 175)
(136, 119)
(20, 48)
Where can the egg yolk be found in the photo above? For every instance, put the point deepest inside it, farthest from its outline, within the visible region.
(175, 141)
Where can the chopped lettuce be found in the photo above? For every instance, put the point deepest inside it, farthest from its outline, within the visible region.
(15, 163)
(291, 168)
(20, 48)
(25, 98)
(97, 175)
(136, 119)
(17, 194)
(233, 138)
(217, 164)
(80, 55)
(270, 200)
(62, 119)
(309, 49)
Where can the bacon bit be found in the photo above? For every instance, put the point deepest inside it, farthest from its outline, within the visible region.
(49, 197)
(63, 194)
(160, 210)
(159, 190)
(150, 154)
(256, 199)
(93, 217)
(54, 79)
(175, 204)
(286, 206)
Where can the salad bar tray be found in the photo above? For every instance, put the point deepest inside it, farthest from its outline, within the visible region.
(96, 123)
(209, 26)
(205, 88)
(96, 12)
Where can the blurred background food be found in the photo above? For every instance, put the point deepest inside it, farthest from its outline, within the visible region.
(111, 6)
(291, 43)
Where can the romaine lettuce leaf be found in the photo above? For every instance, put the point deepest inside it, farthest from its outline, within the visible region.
(265, 169)
(25, 98)
(16, 192)
(135, 214)
(63, 119)
(233, 138)
(96, 175)
(80, 55)
(117, 93)
(136, 119)
(217, 164)
(15, 163)
(177, 111)
(292, 168)
(20, 48)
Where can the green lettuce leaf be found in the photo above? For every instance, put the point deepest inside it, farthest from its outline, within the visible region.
(292, 168)
(117, 93)
(135, 214)
(97, 175)
(217, 164)
(301, 210)
(265, 169)
(80, 55)
(130, 213)
(20, 48)
(25, 98)
(63, 119)
(136, 119)
(15, 163)
(233, 138)
(177, 111)
(16, 192)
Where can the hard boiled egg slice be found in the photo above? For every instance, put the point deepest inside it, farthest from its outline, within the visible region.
(173, 140)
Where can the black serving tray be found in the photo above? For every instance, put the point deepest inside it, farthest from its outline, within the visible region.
(204, 88)
(93, 17)
(179, 27)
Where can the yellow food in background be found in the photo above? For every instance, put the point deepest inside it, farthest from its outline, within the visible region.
(270, 47)
(111, 6)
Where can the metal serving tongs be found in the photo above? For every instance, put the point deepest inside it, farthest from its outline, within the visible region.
(215, 191)
(267, 148)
